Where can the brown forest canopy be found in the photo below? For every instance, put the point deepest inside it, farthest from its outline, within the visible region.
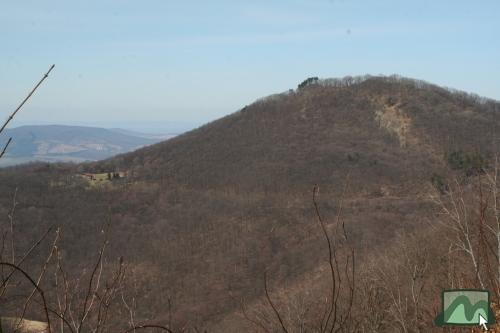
(201, 216)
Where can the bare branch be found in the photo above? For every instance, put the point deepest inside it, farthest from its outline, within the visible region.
(42, 273)
(149, 326)
(26, 99)
(5, 147)
(40, 291)
(276, 312)
(330, 257)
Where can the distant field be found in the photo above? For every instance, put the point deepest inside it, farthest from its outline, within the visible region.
(103, 178)
(10, 324)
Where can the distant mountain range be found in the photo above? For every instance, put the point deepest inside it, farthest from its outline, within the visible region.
(54, 143)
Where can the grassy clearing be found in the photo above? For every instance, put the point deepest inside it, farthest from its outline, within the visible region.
(11, 324)
(104, 178)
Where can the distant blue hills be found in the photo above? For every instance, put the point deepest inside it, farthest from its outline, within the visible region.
(55, 143)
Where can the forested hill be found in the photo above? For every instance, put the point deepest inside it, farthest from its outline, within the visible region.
(200, 217)
(384, 130)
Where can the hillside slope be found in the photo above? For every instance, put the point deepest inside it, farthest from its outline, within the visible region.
(203, 215)
(385, 131)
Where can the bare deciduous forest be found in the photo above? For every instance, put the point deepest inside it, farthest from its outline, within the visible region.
(345, 205)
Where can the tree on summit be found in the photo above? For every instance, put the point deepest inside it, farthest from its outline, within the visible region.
(307, 82)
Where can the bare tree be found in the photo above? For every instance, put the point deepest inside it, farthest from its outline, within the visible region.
(470, 212)
(335, 309)
(457, 215)
(492, 184)
(402, 275)
(75, 304)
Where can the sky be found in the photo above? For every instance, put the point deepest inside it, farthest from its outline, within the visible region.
(153, 63)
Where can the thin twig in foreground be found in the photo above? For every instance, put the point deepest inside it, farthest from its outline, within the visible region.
(27, 98)
(5, 147)
(276, 312)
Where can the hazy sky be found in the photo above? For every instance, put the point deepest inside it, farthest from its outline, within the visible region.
(153, 61)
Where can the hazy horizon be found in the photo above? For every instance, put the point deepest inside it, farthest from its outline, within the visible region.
(191, 62)
(164, 127)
